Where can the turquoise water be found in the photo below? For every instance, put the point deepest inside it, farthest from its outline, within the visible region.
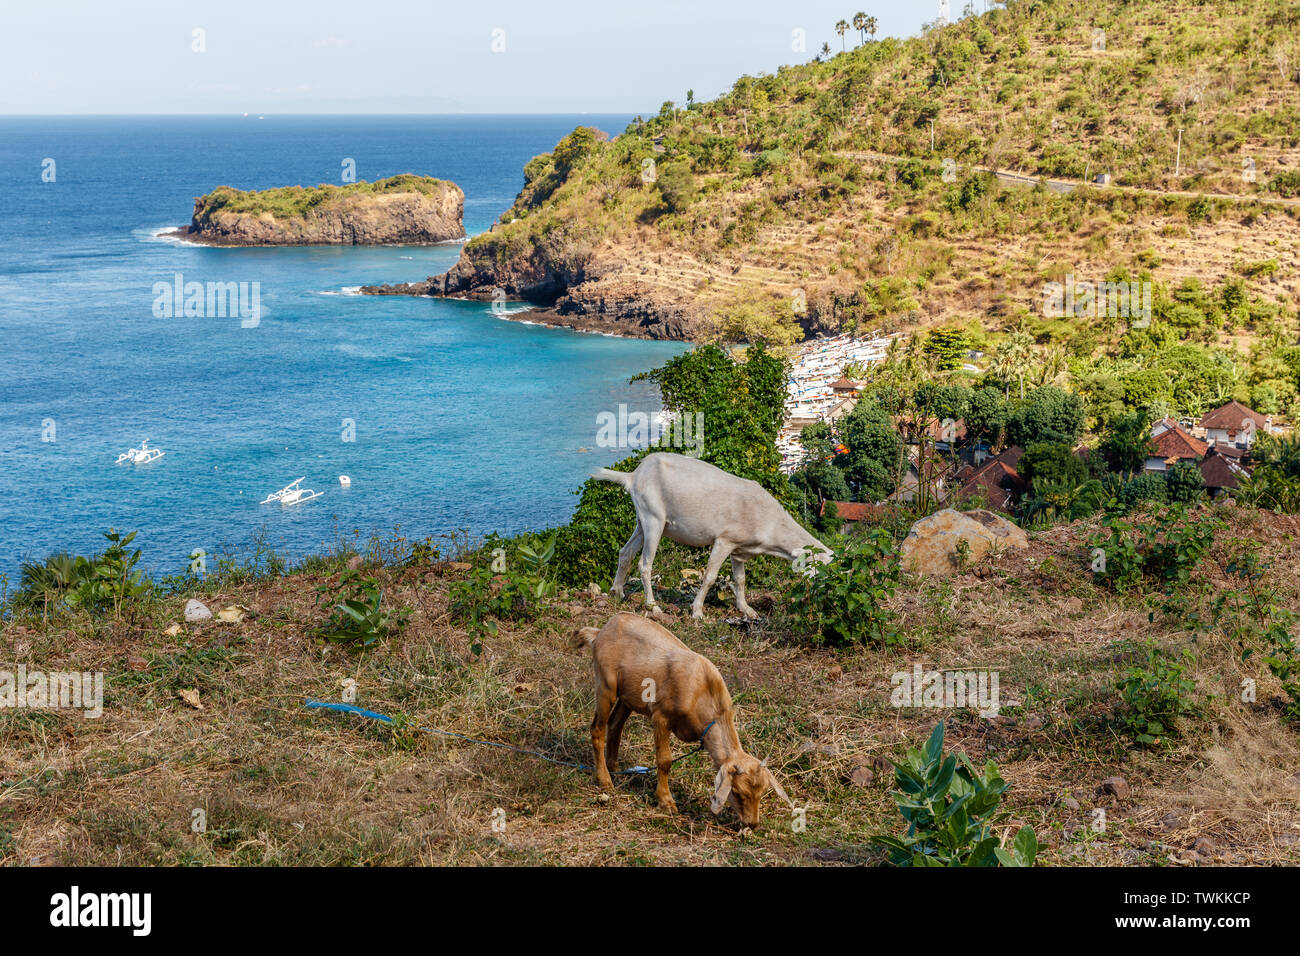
(461, 420)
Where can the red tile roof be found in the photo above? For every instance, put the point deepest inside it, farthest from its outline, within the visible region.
(1231, 416)
(997, 481)
(854, 510)
(1176, 443)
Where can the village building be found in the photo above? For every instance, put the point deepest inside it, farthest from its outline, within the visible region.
(1234, 424)
(1173, 444)
(1221, 473)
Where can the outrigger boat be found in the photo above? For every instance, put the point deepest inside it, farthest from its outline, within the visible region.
(140, 456)
(291, 494)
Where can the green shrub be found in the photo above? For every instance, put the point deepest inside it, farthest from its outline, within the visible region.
(1156, 694)
(950, 808)
(843, 602)
(1165, 547)
(358, 620)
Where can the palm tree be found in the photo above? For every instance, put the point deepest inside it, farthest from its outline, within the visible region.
(871, 26)
(1014, 358)
(841, 28)
(860, 24)
(826, 51)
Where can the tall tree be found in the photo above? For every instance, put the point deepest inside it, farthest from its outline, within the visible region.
(871, 26)
(860, 24)
(842, 28)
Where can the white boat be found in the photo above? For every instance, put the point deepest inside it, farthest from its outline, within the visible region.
(291, 494)
(140, 456)
(345, 481)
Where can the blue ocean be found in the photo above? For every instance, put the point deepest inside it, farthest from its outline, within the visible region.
(445, 417)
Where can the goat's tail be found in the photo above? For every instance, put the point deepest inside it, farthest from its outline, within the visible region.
(584, 637)
(623, 478)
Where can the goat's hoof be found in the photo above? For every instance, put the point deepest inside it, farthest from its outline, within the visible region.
(697, 614)
(668, 805)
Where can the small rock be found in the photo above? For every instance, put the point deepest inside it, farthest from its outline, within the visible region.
(1070, 804)
(459, 566)
(594, 589)
(835, 672)
(862, 776)
(827, 854)
(173, 631)
(1170, 821)
(882, 765)
(1204, 847)
(231, 615)
(1034, 722)
(136, 663)
(196, 611)
(1115, 786)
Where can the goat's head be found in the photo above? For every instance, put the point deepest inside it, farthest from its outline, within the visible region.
(741, 781)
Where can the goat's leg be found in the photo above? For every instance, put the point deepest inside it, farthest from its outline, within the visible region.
(605, 701)
(615, 735)
(720, 551)
(625, 557)
(651, 531)
(663, 762)
(738, 586)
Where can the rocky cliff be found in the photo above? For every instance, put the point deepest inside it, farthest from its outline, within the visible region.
(398, 210)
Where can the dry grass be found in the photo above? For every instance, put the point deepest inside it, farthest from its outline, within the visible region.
(282, 785)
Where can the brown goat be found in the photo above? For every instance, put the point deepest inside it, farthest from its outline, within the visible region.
(640, 666)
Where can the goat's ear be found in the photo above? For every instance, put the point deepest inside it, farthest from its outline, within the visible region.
(776, 785)
(721, 789)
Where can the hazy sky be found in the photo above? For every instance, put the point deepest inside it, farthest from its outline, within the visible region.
(398, 56)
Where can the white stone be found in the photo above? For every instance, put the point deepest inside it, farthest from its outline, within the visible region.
(196, 611)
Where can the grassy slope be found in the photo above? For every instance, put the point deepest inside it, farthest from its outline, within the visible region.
(284, 786)
(792, 192)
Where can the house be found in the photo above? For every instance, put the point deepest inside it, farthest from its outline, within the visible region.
(933, 429)
(1173, 444)
(932, 474)
(842, 386)
(851, 512)
(1221, 473)
(1234, 424)
(995, 482)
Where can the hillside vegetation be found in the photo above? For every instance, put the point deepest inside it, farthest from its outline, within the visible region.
(399, 209)
(812, 198)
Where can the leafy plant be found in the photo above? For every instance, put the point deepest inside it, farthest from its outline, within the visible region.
(1250, 614)
(359, 619)
(950, 808)
(1157, 693)
(843, 601)
(1166, 547)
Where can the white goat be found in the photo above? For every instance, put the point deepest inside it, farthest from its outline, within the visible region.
(700, 505)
